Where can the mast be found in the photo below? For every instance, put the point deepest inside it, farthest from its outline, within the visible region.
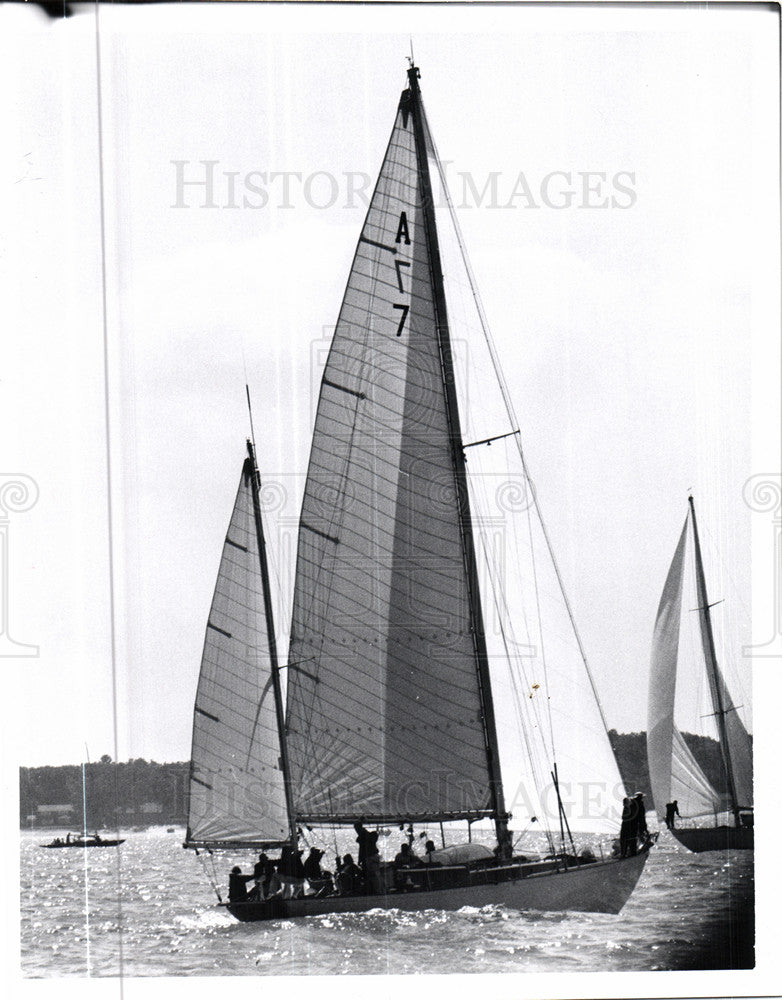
(711, 665)
(275, 667)
(459, 466)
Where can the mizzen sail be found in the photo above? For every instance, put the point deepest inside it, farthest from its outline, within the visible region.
(384, 711)
(237, 791)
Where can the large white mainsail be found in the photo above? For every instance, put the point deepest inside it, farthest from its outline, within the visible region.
(385, 714)
(386, 704)
(237, 791)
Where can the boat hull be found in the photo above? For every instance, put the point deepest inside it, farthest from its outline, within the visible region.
(716, 838)
(599, 887)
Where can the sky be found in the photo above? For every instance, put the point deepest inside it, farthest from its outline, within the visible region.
(616, 182)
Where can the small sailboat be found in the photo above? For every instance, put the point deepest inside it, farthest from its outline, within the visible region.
(79, 840)
(402, 628)
(675, 774)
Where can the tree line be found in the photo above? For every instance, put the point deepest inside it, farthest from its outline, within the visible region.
(124, 793)
(144, 792)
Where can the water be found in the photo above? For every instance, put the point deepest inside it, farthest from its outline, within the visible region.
(147, 909)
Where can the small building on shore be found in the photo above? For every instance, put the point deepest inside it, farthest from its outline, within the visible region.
(55, 814)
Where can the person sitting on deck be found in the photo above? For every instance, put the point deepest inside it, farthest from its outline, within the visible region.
(403, 862)
(368, 856)
(428, 858)
(405, 858)
(319, 880)
(349, 877)
(237, 885)
(671, 812)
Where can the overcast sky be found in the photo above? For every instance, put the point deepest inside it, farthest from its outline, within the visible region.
(617, 177)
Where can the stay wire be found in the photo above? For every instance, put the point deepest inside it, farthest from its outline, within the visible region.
(514, 421)
(109, 469)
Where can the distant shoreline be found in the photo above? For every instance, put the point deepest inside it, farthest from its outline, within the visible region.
(141, 793)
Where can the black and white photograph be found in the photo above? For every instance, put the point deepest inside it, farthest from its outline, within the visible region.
(390, 502)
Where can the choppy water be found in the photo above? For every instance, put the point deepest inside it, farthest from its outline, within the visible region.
(146, 909)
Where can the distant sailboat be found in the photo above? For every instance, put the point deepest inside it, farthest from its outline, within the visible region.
(83, 839)
(674, 772)
(390, 714)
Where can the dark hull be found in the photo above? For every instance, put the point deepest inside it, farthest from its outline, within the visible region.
(716, 838)
(599, 887)
(89, 843)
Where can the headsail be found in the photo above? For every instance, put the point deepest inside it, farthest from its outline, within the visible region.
(385, 715)
(237, 791)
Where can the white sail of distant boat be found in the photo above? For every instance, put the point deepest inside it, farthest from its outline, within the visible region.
(414, 645)
(675, 774)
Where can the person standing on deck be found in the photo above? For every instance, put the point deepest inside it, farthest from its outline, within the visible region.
(671, 812)
(641, 829)
(368, 856)
(626, 839)
(262, 872)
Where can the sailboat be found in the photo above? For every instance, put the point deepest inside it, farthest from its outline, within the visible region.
(675, 774)
(390, 716)
(80, 840)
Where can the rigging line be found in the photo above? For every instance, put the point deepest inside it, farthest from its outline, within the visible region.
(512, 415)
(531, 753)
(716, 556)
(536, 589)
(109, 472)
